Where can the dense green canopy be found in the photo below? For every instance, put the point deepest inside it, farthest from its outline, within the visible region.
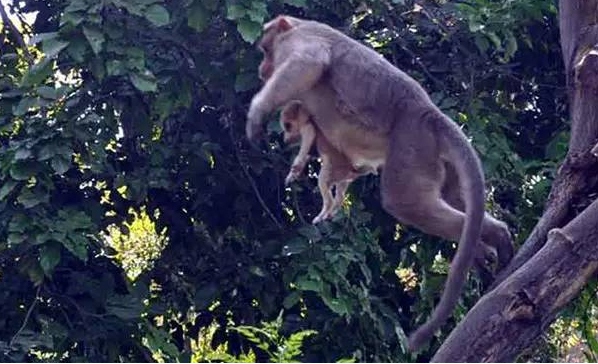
(137, 223)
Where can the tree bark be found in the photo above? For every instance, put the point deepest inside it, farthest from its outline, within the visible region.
(561, 254)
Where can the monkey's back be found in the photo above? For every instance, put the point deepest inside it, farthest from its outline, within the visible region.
(350, 74)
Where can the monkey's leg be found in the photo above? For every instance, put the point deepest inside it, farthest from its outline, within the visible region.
(308, 135)
(495, 233)
(420, 208)
(339, 196)
(325, 190)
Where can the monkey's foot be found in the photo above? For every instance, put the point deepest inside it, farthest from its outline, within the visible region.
(294, 173)
(323, 215)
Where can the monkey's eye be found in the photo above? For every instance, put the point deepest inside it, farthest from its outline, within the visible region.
(287, 126)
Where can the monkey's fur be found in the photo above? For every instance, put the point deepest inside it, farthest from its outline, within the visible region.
(335, 171)
(430, 173)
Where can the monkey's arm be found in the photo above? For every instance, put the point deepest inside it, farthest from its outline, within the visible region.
(299, 72)
(308, 136)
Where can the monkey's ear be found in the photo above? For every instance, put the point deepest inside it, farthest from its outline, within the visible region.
(283, 24)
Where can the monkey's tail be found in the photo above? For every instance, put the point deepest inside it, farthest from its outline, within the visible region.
(471, 179)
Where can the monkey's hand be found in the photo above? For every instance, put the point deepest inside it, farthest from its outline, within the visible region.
(294, 173)
(256, 113)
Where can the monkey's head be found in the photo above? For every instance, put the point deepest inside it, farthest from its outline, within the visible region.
(272, 30)
(292, 118)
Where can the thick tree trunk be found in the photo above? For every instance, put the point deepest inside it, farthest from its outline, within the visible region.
(561, 253)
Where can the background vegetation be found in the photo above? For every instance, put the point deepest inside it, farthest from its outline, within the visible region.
(137, 224)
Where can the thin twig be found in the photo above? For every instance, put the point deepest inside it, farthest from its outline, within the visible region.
(252, 183)
(421, 65)
(296, 203)
(410, 53)
(29, 311)
(18, 36)
(258, 195)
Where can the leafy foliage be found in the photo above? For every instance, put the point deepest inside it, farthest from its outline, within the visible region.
(124, 105)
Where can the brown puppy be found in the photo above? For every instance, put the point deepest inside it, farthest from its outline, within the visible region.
(335, 171)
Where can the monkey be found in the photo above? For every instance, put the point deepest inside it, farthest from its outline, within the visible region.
(336, 169)
(428, 162)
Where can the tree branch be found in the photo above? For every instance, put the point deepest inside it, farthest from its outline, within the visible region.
(512, 316)
(554, 264)
(29, 311)
(15, 32)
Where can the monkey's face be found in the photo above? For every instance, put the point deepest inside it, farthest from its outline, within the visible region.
(292, 118)
(266, 68)
(290, 130)
(266, 45)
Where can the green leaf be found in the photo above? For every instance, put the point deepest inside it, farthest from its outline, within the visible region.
(157, 15)
(22, 171)
(47, 92)
(197, 17)
(294, 246)
(26, 104)
(95, 38)
(52, 47)
(115, 68)
(494, 39)
(73, 18)
(258, 12)
(18, 224)
(7, 187)
(37, 73)
(257, 271)
(511, 46)
(76, 219)
(144, 82)
(76, 5)
(77, 49)
(76, 244)
(126, 307)
(304, 283)
(291, 300)
(29, 198)
(135, 59)
(60, 164)
(311, 232)
(46, 152)
(15, 238)
(49, 257)
(235, 11)
(22, 153)
(132, 7)
(205, 296)
(249, 30)
(40, 37)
